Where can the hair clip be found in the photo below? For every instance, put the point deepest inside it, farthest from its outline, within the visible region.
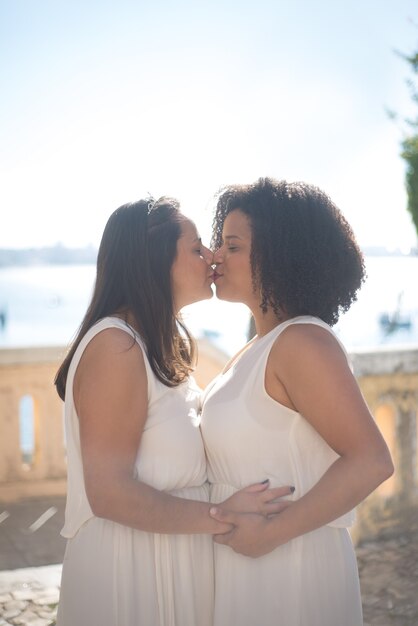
(151, 205)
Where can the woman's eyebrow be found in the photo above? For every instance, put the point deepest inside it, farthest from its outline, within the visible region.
(231, 237)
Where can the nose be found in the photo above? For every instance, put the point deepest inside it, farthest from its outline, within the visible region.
(218, 256)
(207, 255)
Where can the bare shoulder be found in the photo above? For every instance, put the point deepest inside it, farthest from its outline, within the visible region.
(112, 348)
(114, 340)
(309, 343)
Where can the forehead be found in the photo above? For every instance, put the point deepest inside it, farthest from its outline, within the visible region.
(188, 229)
(238, 224)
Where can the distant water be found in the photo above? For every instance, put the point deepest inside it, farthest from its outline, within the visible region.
(44, 305)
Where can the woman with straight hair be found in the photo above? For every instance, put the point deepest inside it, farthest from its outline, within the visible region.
(137, 521)
(288, 406)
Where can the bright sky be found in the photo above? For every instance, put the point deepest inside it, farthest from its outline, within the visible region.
(102, 102)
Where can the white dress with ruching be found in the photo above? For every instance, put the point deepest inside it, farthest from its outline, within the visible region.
(114, 575)
(312, 580)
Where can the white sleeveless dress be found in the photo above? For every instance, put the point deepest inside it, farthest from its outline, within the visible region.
(313, 579)
(114, 575)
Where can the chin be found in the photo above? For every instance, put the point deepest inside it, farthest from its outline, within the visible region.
(209, 295)
(206, 294)
(221, 295)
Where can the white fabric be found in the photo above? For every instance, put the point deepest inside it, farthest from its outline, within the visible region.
(248, 436)
(117, 576)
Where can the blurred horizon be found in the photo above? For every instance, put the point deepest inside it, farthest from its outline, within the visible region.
(60, 254)
(44, 305)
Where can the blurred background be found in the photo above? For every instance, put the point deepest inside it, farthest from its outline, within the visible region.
(104, 103)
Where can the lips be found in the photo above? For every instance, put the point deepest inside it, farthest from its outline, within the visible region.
(215, 276)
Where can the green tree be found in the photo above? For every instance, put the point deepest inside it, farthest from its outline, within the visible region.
(410, 145)
(410, 155)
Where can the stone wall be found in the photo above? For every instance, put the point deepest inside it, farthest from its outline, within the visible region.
(29, 373)
(388, 379)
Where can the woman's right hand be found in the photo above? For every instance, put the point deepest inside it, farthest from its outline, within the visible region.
(258, 498)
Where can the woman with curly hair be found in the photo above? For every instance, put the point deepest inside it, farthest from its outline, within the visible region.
(287, 407)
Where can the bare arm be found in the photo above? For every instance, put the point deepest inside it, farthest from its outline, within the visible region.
(309, 368)
(111, 399)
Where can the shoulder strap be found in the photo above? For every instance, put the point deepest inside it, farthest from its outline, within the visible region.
(260, 357)
(302, 319)
(103, 324)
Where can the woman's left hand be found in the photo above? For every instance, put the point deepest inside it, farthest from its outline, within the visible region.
(258, 498)
(250, 533)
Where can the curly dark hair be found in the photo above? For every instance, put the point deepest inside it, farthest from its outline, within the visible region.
(304, 256)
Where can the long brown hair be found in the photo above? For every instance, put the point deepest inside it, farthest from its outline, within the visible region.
(136, 253)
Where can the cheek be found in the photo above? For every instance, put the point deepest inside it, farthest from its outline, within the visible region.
(238, 267)
(199, 268)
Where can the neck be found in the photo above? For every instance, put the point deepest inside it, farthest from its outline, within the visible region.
(265, 322)
(127, 317)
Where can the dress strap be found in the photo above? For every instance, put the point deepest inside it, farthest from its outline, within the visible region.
(104, 324)
(302, 319)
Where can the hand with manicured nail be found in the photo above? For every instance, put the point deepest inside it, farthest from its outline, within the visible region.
(258, 498)
(250, 534)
